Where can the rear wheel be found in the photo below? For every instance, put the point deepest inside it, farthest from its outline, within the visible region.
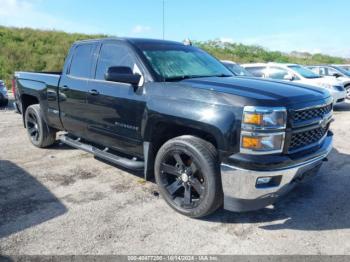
(40, 134)
(188, 176)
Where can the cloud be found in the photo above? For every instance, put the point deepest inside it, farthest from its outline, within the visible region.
(25, 13)
(226, 39)
(139, 29)
(301, 41)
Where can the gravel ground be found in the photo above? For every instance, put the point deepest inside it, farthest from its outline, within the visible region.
(63, 201)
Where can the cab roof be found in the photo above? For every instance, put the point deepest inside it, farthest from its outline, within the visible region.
(135, 41)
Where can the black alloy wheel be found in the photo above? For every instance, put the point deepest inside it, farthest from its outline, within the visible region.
(182, 179)
(188, 176)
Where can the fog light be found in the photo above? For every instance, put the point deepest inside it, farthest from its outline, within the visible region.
(268, 181)
(263, 180)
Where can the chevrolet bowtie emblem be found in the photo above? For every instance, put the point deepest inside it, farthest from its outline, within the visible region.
(323, 122)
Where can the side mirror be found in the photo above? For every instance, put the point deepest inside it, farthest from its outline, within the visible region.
(122, 74)
(337, 75)
(288, 77)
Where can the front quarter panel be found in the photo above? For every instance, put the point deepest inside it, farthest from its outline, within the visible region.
(201, 110)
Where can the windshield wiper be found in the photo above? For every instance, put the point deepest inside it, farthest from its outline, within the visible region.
(221, 75)
(179, 78)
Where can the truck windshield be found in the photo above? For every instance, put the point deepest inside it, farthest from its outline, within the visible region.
(177, 62)
(304, 72)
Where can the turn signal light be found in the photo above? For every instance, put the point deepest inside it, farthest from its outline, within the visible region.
(251, 142)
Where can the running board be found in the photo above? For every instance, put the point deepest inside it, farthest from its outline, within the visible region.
(121, 161)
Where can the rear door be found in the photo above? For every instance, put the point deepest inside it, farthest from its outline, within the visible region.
(115, 110)
(73, 88)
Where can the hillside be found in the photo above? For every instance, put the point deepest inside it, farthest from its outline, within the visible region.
(36, 50)
(245, 54)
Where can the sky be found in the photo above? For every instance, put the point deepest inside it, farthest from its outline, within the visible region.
(298, 25)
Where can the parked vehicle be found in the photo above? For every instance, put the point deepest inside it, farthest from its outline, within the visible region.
(176, 112)
(334, 71)
(236, 69)
(3, 94)
(344, 66)
(298, 74)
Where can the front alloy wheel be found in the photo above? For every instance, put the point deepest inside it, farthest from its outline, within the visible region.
(188, 176)
(182, 179)
(347, 92)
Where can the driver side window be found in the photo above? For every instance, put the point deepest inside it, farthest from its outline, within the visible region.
(278, 73)
(113, 54)
(332, 71)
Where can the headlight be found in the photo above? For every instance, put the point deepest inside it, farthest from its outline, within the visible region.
(337, 87)
(262, 143)
(264, 118)
(263, 130)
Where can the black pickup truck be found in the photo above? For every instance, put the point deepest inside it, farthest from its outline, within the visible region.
(172, 110)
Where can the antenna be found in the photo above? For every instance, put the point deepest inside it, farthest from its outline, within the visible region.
(163, 19)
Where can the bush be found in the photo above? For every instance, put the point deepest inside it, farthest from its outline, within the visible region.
(24, 49)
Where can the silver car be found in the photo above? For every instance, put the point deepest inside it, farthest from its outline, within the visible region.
(3, 94)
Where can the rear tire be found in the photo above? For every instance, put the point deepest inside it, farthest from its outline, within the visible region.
(188, 176)
(40, 134)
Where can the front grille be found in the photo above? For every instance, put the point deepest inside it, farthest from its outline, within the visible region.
(308, 114)
(302, 139)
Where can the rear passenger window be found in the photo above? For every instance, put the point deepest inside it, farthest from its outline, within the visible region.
(82, 61)
(113, 54)
(256, 71)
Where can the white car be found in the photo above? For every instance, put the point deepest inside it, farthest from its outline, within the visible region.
(344, 66)
(236, 68)
(299, 74)
(336, 71)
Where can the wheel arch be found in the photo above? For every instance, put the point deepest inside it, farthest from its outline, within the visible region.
(26, 101)
(160, 132)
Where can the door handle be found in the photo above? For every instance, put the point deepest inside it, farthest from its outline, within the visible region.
(94, 92)
(65, 88)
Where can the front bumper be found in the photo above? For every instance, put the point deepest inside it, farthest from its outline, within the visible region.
(338, 96)
(240, 188)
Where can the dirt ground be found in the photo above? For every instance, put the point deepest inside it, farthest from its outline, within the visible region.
(63, 201)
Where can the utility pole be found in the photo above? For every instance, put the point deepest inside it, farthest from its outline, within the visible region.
(163, 19)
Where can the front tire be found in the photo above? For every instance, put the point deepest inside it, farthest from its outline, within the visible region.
(40, 134)
(188, 176)
(347, 88)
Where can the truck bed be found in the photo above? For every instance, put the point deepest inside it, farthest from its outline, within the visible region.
(46, 78)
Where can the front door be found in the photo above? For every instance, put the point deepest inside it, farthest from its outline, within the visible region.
(115, 110)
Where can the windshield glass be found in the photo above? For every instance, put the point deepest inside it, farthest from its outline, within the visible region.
(342, 70)
(177, 62)
(237, 69)
(304, 72)
(345, 67)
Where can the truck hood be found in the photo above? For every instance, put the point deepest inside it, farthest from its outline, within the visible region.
(260, 89)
